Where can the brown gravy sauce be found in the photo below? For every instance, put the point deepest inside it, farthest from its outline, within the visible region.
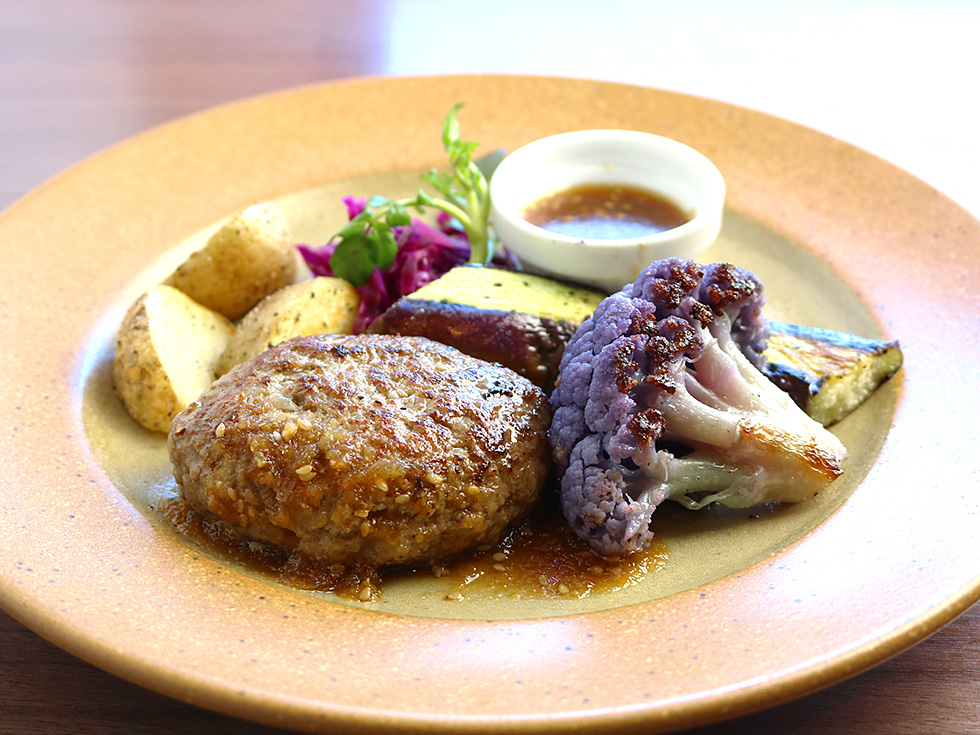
(605, 212)
(539, 559)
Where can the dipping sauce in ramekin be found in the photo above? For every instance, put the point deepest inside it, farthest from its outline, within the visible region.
(570, 177)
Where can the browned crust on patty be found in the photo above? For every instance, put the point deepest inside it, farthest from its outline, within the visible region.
(368, 449)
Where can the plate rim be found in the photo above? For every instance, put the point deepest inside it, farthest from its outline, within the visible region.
(740, 700)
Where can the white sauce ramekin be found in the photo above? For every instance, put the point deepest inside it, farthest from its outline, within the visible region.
(643, 160)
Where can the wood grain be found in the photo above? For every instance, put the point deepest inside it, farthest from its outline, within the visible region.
(76, 77)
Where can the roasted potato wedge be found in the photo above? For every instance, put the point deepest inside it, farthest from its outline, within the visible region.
(248, 258)
(317, 306)
(166, 352)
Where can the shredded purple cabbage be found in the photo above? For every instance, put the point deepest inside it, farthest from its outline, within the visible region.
(424, 254)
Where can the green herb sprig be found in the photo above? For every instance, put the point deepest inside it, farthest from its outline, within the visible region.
(368, 241)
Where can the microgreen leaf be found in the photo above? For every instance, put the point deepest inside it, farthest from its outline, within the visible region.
(355, 227)
(368, 241)
(450, 126)
(397, 215)
(386, 246)
(351, 259)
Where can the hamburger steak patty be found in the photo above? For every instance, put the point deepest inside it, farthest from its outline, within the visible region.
(372, 449)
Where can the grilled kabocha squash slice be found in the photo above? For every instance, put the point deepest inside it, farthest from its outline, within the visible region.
(827, 373)
(520, 320)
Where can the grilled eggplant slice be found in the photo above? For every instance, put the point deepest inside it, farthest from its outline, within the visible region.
(520, 320)
(828, 373)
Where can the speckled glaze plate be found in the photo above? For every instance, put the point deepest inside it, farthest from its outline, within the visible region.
(748, 610)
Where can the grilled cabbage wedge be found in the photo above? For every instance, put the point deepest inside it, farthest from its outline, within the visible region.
(828, 373)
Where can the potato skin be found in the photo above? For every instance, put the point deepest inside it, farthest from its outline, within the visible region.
(166, 351)
(248, 258)
(320, 305)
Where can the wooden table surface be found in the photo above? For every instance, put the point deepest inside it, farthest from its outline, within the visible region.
(77, 76)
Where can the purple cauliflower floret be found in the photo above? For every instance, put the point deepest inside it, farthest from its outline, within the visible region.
(660, 396)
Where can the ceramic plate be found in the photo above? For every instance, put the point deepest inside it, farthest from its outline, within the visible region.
(746, 610)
